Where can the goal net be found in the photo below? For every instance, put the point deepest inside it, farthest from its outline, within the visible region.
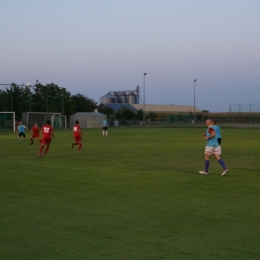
(7, 121)
(57, 120)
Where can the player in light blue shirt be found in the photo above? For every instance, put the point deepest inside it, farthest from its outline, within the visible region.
(105, 127)
(21, 132)
(212, 147)
(219, 136)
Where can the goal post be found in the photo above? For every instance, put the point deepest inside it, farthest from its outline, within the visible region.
(57, 120)
(7, 121)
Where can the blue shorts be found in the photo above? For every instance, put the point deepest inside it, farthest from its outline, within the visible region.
(21, 134)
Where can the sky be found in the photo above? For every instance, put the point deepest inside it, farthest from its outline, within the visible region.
(96, 46)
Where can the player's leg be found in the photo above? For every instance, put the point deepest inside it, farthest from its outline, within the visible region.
(80, 145)
(41, 148)
(207, 162)
(19, 137)
(103, 131)
(106, 131)
(207, 154)
(76, 142)
(24, 136)
(46, 149)
(31, 139)
(221, 162)
(219, 143)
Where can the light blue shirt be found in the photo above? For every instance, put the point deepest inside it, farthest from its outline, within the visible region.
(21, 128)
(105, 123)
(212, 141)
(218, 131)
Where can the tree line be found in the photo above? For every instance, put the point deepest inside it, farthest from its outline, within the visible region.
(51, 98)
(43, 98)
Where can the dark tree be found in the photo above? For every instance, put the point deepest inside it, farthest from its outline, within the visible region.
(139, 114)
(152, 116)
(125, 113)
(83, 103)
(107, 111)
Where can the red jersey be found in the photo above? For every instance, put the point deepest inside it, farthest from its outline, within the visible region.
(76, 130)
(47, 131)
(35, 131)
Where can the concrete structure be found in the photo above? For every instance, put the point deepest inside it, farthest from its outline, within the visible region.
(116, 106)
(87, 119)
(122, 96)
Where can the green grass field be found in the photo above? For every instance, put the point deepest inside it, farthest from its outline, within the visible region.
(134, 195)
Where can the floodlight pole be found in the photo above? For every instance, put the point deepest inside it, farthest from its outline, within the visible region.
(30, 100)
(63, 100)
(144, 100)
(194, 103)
(12, 101)
(46, 93)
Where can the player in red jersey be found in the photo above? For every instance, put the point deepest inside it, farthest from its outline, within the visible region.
(35, 133)
(47, 134)
(77, 135)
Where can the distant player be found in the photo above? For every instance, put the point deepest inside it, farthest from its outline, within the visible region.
(105, 127)
(218, 134)
(35, 130)
(77, 135)
(212, 147)
(21, 132)
(47, 135)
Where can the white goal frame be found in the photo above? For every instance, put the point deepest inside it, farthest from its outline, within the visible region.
(52, 115)
(4, 112)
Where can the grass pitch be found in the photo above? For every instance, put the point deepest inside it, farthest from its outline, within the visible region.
(136, 194)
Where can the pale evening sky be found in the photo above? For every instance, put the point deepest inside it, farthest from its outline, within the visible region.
(94, 46)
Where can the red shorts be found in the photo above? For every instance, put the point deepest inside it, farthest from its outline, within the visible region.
(35, 136)
(77, 138)
(46, 140)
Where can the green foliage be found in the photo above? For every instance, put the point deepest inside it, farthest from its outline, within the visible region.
(4, 104)
(152, 116)
(106, 110)
(139, 114)
(83, 104)
(136, 194)
(43, 98)
(125, 113)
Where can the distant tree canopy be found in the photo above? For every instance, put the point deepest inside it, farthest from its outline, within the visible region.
(106, 110)
(83, 104)
(139, 114)
(43, 98)
(125, 113)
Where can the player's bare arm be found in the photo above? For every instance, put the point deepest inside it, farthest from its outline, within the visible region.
(81, 133)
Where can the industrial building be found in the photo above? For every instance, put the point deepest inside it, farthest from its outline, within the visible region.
(130, 99)
(122, 96)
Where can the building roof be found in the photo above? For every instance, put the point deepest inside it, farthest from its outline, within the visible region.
(89, 114)
(108, 95)
(166, 108)
(118, 106)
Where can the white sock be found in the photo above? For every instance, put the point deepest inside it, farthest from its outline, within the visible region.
(219, 150)
(106, 132)
(103, 132)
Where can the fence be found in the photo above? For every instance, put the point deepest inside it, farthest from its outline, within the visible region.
(244, 108)
(57, 120)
